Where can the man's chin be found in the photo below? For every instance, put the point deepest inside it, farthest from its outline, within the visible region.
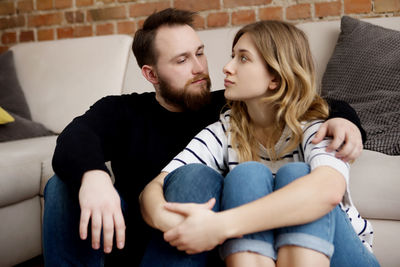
(193, 96)
(195, 100)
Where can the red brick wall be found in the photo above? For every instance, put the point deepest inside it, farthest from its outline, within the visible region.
(41, 20)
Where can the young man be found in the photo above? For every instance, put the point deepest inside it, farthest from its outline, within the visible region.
(139, 134)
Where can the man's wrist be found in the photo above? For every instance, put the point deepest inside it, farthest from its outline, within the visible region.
(92, 173)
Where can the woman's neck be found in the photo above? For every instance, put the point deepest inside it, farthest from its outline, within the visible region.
(261, 114)
(262, 118)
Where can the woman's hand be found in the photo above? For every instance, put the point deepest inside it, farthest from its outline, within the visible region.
(200, 231)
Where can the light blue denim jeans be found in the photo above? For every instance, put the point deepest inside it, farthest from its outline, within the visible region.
(331, 235)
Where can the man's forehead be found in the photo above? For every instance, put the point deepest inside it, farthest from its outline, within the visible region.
(174, 40)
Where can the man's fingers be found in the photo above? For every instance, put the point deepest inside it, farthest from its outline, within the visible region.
(345, 150)
(108, 233)
(83, 224)
(119, 224)
(337, 141)
(96, 229)
(321, 133)
(353, 154)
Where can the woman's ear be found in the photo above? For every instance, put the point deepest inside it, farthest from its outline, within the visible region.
(149, 73)
(274, 83)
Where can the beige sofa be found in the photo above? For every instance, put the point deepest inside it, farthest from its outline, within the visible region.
(61, 79)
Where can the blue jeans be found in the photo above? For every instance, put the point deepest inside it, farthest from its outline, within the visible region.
(62, 245)
(331, 235)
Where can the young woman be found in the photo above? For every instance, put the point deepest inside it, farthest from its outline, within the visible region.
(284, 201)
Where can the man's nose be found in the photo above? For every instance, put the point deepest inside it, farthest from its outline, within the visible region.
(198, 66)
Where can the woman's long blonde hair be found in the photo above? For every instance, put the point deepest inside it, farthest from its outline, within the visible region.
(288, 57)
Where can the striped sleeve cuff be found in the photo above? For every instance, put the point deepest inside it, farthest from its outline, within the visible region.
(332, 161)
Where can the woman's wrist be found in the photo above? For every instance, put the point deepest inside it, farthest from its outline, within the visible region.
(229, 227)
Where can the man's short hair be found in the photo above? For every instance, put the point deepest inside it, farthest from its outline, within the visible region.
(143, 42)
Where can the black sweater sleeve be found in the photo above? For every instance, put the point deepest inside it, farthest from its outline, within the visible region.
(341, 109)
(85, 143)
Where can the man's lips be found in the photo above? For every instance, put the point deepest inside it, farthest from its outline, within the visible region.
(199, 81)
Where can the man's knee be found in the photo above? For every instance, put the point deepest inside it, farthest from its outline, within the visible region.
(53, 187)
(57, 194)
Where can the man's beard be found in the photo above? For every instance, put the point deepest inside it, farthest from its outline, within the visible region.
(187, 98)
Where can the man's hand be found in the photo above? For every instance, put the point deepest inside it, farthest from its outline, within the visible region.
(346, 138)
(101, 204)
(200, 230)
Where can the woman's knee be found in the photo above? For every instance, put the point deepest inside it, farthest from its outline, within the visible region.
(193, 183)
(249, 173)
(190, 173)
(290, 172)
(245, 183)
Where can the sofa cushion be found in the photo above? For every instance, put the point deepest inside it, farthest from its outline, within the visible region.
(364, 70)
(375, 183)
(21, 164)
(12, 97)
(20, 230)
(61, 79)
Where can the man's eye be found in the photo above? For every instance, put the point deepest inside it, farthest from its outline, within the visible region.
(200, 54)
(182, 60)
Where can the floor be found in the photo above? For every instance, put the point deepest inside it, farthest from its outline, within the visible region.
(35, 262)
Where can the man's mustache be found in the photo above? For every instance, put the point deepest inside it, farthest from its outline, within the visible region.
(199, 77)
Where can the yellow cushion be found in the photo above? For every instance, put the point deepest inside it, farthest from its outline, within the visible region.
(5, 117)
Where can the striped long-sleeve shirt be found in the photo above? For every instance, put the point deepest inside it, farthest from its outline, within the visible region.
(212, 147)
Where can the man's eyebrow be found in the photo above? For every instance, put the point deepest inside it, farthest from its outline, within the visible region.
(200, 47)
(187, 53)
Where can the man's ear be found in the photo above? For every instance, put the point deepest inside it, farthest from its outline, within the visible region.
(149, 73)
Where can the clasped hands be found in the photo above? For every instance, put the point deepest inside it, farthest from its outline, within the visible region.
(200, 230)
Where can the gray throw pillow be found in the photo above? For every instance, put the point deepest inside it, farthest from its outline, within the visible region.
(22, 128)
(364, 71)
(12, 97)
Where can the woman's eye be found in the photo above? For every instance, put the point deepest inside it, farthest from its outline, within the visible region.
(180, 61)
(243, 59)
